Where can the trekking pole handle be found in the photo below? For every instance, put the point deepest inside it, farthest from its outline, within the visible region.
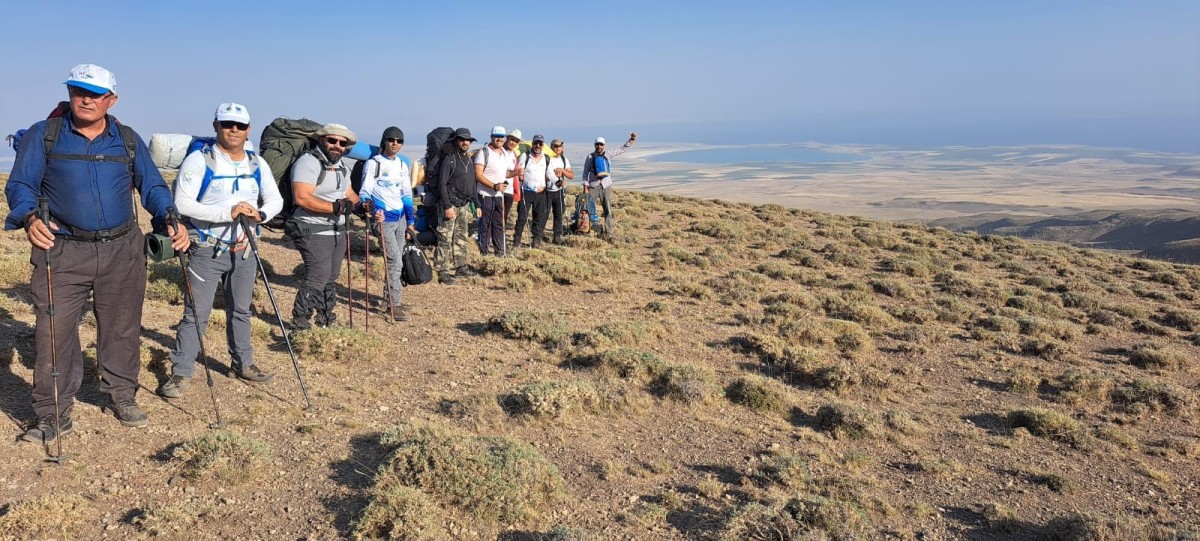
(173, 221)
(241, 222)
(44, 210)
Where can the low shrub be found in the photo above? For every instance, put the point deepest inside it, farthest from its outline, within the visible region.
(780, 470)
(628, 363)
(338, 345)
(45, 517)
(1182, 319)
(1152, 355)
(490, 477)
(223, 455)
(1146, 396)
(537, 326)
(756, 393)
(801, 517)
(687, 383)
(396, 511)
(845, 420)
(1046, 423)
(551, 399)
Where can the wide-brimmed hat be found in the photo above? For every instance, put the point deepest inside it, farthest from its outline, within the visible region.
(338, 130)
(464, 134)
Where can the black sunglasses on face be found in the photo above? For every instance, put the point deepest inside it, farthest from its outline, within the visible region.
(229, 125)
(76, 92)
(555, 146)
(394, 140)
(538, 143)
(333, 141)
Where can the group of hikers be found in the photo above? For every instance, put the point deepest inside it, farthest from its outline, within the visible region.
(72, 186)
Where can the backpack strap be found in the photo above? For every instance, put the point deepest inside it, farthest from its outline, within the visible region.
(128, 140)
(210, 162)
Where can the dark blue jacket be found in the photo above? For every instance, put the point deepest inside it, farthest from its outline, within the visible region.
(84, 195)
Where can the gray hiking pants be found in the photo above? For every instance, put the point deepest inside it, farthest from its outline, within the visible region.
(205, 269)
(393, 234)
(604, 198)
(114, 272)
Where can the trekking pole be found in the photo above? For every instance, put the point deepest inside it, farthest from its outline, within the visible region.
(349, 278)
(279, 315)
(44, 216)
(367, 267)
(184, 264)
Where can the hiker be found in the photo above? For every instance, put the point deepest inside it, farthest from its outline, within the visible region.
(318, 224)
(216, 186)
(387, 184)
(452, 193)
(556, 191)
(512, 195)
(598, 181)
(536, 175)
(493, 169)
(87, 165)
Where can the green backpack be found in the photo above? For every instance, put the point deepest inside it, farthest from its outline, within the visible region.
(283, 141)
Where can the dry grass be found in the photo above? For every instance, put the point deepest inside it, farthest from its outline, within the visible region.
(226, 456)
(45, 517)
(341, 345)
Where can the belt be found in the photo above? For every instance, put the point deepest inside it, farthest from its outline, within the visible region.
(104, 235)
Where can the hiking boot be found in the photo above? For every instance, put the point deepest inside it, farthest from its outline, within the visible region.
(128, 412)
(398, 313)
(465, 272)
(300, 324)
(446, 278)
(175, 386)
(43, 431)
(253, 373)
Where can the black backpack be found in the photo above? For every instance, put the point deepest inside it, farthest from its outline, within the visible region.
(437, 145)
(358, 174)
(284, 140)
(416, 269)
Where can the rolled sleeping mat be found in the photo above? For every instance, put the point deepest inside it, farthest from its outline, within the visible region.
(167, 150)
(158, 247)
(362, 151)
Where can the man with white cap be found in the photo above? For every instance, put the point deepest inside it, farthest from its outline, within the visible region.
(494, 166)
(216, 186)
(536, 175)
(511, 194)
(324, 198)
(597, 177)
(86, 166)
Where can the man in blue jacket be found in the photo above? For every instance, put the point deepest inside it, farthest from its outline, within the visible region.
(86, 164)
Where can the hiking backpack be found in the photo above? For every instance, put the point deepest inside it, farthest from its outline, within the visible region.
(584, 219)
(283, 141)
(437, 145)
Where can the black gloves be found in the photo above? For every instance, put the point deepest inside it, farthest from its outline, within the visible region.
(343, 206)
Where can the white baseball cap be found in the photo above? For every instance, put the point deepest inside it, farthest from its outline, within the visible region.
(600, 141)
(92, 78)
(232, 111)
(499, 131)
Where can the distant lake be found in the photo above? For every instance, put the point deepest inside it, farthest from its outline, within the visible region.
(758, 154)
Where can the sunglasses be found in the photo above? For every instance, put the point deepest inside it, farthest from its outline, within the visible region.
(230, 124)
(76, 92)
(394, 140)
(555, 146)
(335, 142)
(538, 143)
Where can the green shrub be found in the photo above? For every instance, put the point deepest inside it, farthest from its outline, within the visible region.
(687, 383)
(223, 455)
(780, 470)
(544, 327)
(1022, 382)
(630, 363)
(1144, 396)
(756, 393)
(625, 333)
(490, 477)
(802, 517)
(1081, 388)
(399, 512)
(846, 420)
(551, 399)
(338, 345)
(1046, 423)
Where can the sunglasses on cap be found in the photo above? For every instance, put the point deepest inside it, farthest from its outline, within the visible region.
(334, 141)
(394, 140)
(230, 124)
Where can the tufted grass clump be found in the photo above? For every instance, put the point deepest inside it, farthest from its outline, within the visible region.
(46, 517)
(338, 345)
(164, 282)
(845, 420)
(1037, 327)
(687, 383)
(1142, 396)
(396, 511)
(167, 519)
(720, 229)
(1152, 355)
(628, 363)
(758, 394)
(1022, 382)
(1079, 388)
(780, 470)
(1180, 318)
(808, 516)
(625, 333)
(537, 326)
(493, 478)
(222, 455)
(551, 399)
(1045, 423)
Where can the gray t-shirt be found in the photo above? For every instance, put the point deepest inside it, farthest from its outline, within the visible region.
(337, 180)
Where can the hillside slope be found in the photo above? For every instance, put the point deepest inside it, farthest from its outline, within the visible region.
(719, 371)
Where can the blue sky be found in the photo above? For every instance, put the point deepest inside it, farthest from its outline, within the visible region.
(902, 72)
